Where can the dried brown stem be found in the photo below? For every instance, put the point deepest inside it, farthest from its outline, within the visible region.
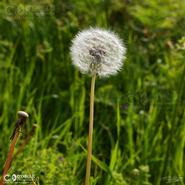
(9, 158)
(20, 122)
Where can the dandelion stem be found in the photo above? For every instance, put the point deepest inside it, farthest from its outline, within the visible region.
(90, 137)
(20, 122)
(9, 158)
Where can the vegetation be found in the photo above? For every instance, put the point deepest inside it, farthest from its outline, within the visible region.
(139, 114)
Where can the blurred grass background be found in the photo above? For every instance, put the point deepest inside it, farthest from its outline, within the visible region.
(139, 130)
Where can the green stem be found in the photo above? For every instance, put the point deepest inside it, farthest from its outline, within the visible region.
(90, 137)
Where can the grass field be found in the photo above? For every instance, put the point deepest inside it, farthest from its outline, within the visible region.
(139, 126)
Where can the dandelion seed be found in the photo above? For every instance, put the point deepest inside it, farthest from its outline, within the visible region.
(98, 51)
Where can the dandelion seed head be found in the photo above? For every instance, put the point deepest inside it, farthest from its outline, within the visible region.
(97, 51)
(22, 114)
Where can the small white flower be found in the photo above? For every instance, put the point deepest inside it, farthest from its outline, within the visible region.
(98, 51)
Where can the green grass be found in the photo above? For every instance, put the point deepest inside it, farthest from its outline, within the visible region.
(139, 127)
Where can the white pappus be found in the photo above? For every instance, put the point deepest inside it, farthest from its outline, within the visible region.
(97, 51)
